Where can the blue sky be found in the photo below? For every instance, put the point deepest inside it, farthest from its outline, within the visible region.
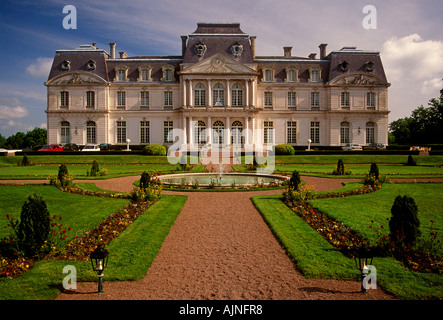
(408, 35)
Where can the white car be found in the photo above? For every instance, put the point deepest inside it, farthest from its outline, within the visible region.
(91, 147)
(352, 146)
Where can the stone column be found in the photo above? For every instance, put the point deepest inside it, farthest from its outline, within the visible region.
(228, 93)
(209, 94)
(191, 96)
(246, 93)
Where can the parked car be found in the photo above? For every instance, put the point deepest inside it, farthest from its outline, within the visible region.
(71, 147)
(51, 147)
(352, 146)
(91, 147)
(105, 146)
(375, 146)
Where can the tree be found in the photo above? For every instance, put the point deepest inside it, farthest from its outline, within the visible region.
(425, 125)
(34, 227)
(404, 224)
(295, 180)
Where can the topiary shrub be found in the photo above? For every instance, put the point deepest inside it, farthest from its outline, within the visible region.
(340, 170)
(411, 161)
(284, 149)
(145, 180)
(295, 181)
(34, 227)
(95, 169)
(404, 223)
(63, 175)
(373, 171)
(154, 150)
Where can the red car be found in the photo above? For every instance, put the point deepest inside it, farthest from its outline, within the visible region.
(51, 147)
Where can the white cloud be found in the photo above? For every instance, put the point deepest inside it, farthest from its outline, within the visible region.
(431, 86)
(7, 112)
(412, 57)
(15, 126)
(40, 68)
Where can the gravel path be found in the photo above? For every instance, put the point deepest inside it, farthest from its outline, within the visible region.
(221, 248)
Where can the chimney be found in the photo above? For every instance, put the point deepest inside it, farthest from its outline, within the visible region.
(112, 46)
(184, 39)
(123, 55)
(323, 51)
(287, 51)
(252, 38)
(312, 56)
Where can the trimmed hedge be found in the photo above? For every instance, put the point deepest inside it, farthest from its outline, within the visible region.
(284, 149)
(155, 150)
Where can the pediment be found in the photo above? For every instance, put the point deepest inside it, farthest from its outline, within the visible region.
(356, 79)
(218, 63)
(76, 78)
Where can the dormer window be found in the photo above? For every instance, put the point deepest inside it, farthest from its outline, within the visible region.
(237, 49)
(369, 66)
(66, 65)
(200, 49)
(344, 66)
(292, 75)
(144, 73)
(121, 74)
(91, 65)
(315, 75)
(268, 75)
(168, 73)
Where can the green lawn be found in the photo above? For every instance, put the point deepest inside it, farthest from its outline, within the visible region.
(84, 212)
(130, 254)
(315, 257)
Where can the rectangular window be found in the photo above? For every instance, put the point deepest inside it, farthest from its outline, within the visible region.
(167, 131)
(90, 99)
(121, 99)
(291, 132)
(200, 97)
(370, 100)
(292, 103)
(370, 133)
(64, 99)
(144, 132)
(268, 134)
(168, 74)
(344, 99)
(168, 99)
(268, 75)
(344, 134)
(121, 75)
(315, 132)
(268, 99)
(292, 76)
(315, 99)
(315, 76)
(64, 132)
(145, 75)
(121, 131)
(144, 98)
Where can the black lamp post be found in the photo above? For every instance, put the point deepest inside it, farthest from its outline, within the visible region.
(99, 261)
(363, 257)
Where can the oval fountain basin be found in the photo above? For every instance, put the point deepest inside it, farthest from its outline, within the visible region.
(223, 180)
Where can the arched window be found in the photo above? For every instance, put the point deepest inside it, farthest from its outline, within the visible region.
(218, 95)
(200, 132)
(218, 132)
(200, 95)
(236, 133)
(344, 132)
(370, 132)
(65, 132)
(237, 95)
(91, 135)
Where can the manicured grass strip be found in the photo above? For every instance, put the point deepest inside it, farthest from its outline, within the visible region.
(358, 211)
(312, 254)
(81, 213)
(134, 250)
